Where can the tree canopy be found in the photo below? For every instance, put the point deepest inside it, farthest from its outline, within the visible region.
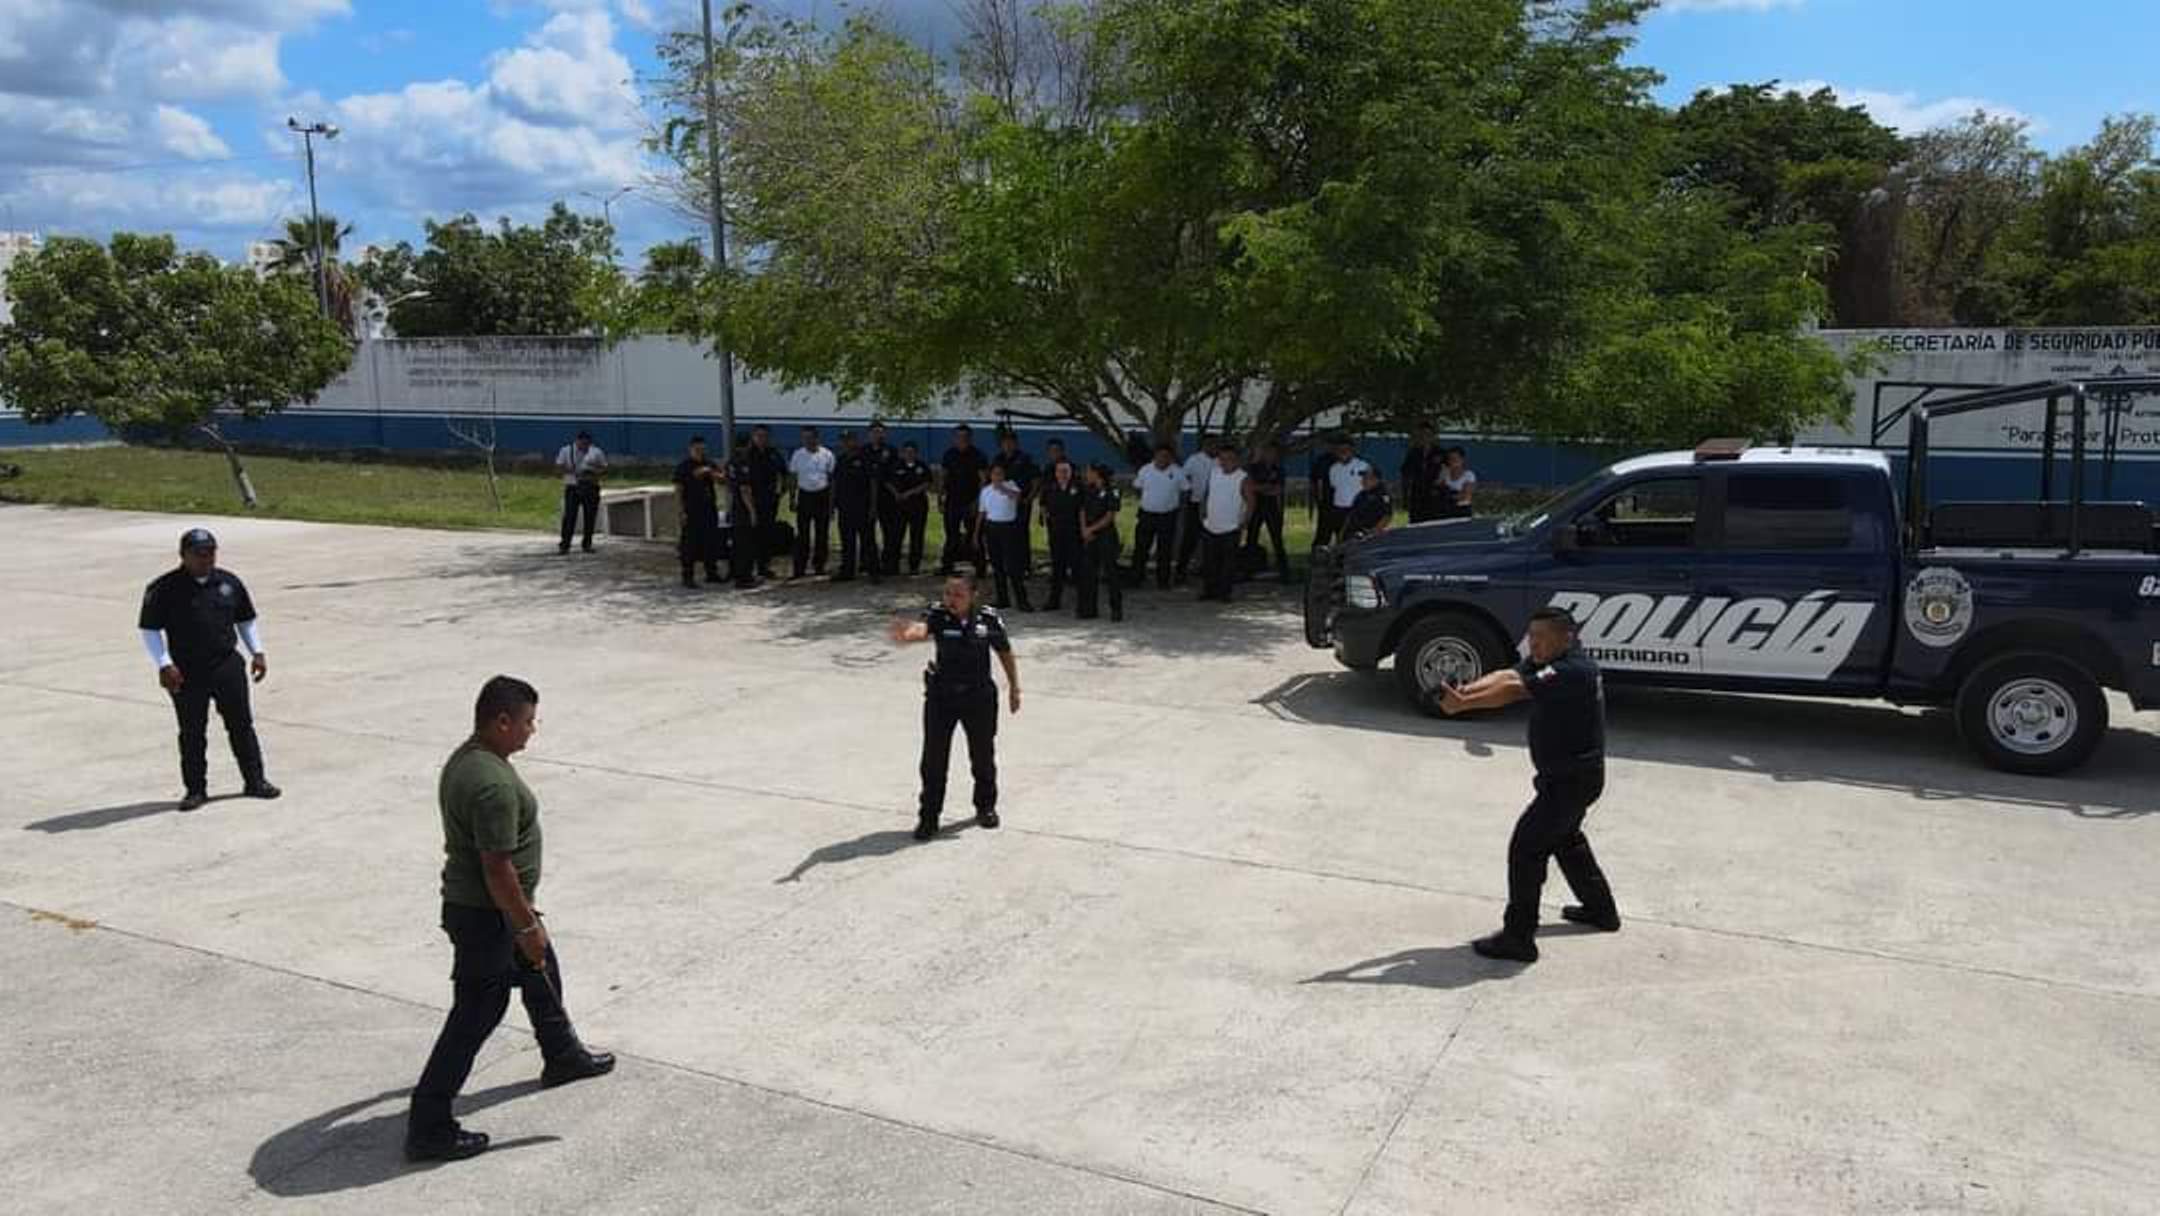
(138, 334)
(549, 279)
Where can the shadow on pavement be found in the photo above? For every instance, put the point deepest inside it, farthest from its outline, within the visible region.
(871, 844)
(1852, 743)
(1423, 967)
(77, 821)
(322, 1155)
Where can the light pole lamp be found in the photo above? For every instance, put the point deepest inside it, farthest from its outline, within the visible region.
(307, 133)
(719, 230)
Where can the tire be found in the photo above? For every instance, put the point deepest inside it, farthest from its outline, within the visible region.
(1460, 646)
(2032, 713)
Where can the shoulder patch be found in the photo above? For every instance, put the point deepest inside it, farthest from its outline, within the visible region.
(1547, 673)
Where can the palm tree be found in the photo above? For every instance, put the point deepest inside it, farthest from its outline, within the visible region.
(296, 255)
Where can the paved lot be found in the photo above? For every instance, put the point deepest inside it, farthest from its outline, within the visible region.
(1216, 960)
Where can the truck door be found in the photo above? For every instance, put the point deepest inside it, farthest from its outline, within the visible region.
(1800, 561)
(1625, 569)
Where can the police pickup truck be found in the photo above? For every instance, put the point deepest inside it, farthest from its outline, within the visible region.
(1789, 571)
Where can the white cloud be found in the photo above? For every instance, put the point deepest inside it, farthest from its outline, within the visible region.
(185, 134)
(187, 59)
(568, 74)
(1908, 113)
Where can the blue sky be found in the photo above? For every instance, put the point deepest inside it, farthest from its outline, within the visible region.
(168, 115)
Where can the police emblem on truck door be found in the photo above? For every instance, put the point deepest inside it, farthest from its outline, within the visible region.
(1938, 606)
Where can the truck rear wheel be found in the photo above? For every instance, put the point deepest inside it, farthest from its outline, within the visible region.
(2032, 713)
(1448, 647)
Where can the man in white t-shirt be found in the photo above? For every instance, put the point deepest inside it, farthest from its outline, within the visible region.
(1199, 469)
(581, 463)
(1160, 485)
(1226, 506)
(812, 467)
(999, 532)
(1346, 478)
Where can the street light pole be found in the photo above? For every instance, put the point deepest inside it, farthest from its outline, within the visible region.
(307, 140)
(719, 239)
(607, 208)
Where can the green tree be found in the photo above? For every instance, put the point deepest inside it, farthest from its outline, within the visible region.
(296, 256)
(138, 335)
(513, 280)
(2087, 251)
(1966, 186)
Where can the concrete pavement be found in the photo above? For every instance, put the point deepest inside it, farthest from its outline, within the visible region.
(1215, 961)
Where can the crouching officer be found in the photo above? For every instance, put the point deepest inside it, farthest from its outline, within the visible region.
(189, 621)
(957, 690)
(491, 866)
(1567, 747)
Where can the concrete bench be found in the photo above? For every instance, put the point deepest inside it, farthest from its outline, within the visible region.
(641, 513)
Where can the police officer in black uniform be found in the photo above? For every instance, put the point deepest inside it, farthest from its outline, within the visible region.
(1022, 471)
(696, 492)
(854, 500)
(766, 469)
(1061, 498)
(1371, 510)
(1099, 541)
(907, 487)
(957, 690)
(1266, 476)
(1420, 469)
(884, 511)
(746, 520)
(962, 469)
(1567, 746)
(192, 618)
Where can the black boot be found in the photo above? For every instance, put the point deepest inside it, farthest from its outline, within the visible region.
(1507, 947)
(926, 827)
(1607, 918)
(576, 1066)
(453, 1143)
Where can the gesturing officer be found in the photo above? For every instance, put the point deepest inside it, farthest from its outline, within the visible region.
(1567, 746)
(957, 690)
(189, 618)
(491, 866)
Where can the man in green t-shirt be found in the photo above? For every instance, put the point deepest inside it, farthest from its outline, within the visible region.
(491, 865)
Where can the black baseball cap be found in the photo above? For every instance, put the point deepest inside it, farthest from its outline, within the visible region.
(197, 538)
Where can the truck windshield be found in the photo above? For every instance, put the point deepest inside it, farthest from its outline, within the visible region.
(1531, 520)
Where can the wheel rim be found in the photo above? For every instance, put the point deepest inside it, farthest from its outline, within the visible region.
(1448, 660)
(2032, 717)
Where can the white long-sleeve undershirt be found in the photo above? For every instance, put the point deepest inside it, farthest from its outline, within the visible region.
(153, 641)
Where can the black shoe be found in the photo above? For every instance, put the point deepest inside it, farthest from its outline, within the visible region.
(193, 800)
(1608, 920)
(1117, 615)
(261, 789)
(986, 819)
(1053, 605)
(457, 1144)
(713, 576)
(688, 580)
(576, 1068)
(843, 578)
(588, 546)
(1026, 607)
(1510, 949)
(562, 548)
(925, 829)
(1085, 616)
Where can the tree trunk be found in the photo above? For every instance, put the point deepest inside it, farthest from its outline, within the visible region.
(232, 460)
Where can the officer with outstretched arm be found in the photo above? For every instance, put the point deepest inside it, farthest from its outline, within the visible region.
(957, 690)
(1567, 747)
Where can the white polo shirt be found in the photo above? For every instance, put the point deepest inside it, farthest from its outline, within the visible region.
(593, 461)
(1345, 479)
(1159, 488)
(997, 506)
(812, 470)
(1199, 470)
(1225, 502)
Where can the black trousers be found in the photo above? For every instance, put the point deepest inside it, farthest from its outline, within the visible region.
(1065, 559)
(1268, 514)
(580, 500)
(1218, 553)
(976, 712)
(911, 519)
(887, 540)
(226, 684)
(1008, 563)
(960, 540)
(746, 547)
(1099, 568)
(813, 528)
(858, 542)
(484, 967)
(1190, 534)
(1332, 521)
(700, 542)
(1027, 537)
(1552, 827)
(1159, 530)
(1420, 509)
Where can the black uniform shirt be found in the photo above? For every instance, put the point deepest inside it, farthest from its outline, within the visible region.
(883, 458)
(963, 647)
(1062, 507)
(1567, 714)
(905, 475)
(1370, 510)
(963, 476)
(198, 618)
(1020, 468)
(697, 491)
(741, 473)
(1417, 475)
(854, 474)
(1262, 475)
(763, 469)
(1097, 504)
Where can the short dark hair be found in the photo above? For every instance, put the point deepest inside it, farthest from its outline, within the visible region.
(963, 429)
(762, 427)
(909, 446)
(809, 430)
(502, 695)
(697, 439)
(1555, 616)
(875, 425)
(586, 435)
(1165, 447)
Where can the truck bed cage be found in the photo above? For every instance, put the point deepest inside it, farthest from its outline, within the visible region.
(2114, 393)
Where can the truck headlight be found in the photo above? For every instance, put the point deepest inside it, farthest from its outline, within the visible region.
(1361, 591)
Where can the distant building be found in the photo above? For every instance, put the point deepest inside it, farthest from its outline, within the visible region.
(262, 255)
(13, 245)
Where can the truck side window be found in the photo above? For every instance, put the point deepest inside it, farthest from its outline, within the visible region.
(1787, 511)
(1655, 514)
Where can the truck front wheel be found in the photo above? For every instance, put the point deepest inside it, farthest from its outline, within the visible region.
(2032, 713)
(1448, 648)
